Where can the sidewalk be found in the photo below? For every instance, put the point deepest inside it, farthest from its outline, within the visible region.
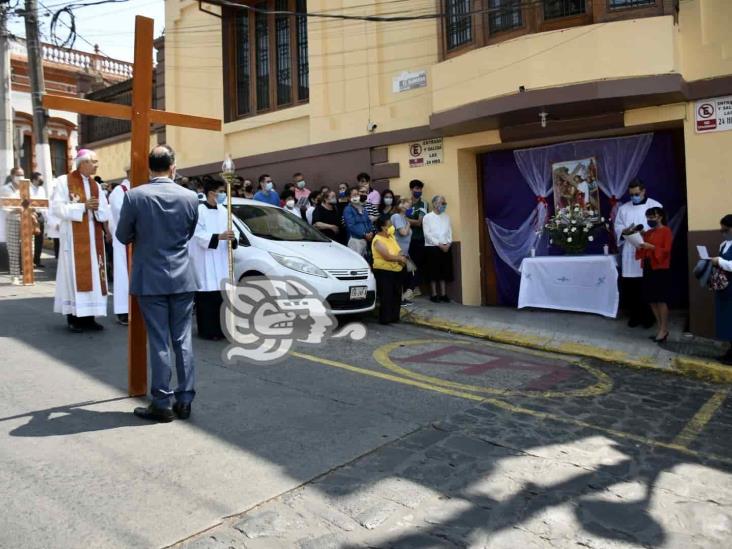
(578, 334)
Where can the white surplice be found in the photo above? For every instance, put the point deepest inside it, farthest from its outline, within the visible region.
(68, 300)
(210, 265)
(121, 278)
(630, 215)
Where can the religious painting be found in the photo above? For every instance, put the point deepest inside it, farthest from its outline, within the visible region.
(575, 184)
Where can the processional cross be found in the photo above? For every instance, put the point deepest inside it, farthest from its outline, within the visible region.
(142, 115)
(26, 204)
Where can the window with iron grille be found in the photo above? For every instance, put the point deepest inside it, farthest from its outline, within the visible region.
(554, 9)
(243, 69)
(630, 3)
(504, 15)
(269, 57)
(458, 23)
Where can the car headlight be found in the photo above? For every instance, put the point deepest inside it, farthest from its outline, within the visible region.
(298, 264)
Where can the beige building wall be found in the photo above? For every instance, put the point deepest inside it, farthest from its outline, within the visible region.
(115, 157)
(456, 178)
(620, 49)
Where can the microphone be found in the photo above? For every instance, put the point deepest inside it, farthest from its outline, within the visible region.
(98, 179)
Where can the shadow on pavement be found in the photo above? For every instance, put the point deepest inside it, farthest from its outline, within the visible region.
(449, 459)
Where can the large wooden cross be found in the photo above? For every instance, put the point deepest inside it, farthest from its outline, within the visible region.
(142, 115)
(25, 204)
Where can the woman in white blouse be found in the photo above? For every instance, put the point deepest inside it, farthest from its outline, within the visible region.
(723, 298)
(438, 249)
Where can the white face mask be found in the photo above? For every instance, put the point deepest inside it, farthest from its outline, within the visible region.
(388, 201)
(16, 179)
(290, 203)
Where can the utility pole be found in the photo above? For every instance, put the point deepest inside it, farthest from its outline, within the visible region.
(38, 88)
(6, 110)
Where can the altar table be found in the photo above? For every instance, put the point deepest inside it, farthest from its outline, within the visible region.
(587, 283)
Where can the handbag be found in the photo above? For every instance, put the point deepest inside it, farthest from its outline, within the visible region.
(719, 280)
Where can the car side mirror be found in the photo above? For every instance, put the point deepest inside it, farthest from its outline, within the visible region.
(243, 240)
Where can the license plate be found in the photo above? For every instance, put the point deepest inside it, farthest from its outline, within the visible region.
(358, 292)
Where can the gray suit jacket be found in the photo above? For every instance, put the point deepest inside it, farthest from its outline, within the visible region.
(159, 219)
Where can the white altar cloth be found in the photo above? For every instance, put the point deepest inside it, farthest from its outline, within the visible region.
(587, 283)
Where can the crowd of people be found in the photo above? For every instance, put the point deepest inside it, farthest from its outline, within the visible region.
(353, 215)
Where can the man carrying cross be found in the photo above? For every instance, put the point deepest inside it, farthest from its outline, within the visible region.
(81, 207)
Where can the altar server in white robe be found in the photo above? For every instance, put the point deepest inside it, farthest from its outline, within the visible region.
(121, 278)
(210, 259)
(79, 204)
(629, 216)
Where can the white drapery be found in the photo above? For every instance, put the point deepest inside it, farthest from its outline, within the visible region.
(618, 160)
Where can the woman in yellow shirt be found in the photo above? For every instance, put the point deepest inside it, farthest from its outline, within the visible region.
(388, 265)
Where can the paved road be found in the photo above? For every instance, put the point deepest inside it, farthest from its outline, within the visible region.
(411, 438)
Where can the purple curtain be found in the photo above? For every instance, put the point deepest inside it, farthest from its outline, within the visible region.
(512, 207)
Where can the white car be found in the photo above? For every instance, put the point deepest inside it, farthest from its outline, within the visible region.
(275, 243)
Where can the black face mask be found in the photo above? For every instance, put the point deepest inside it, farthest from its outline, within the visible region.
(39, 182)
(363, 197)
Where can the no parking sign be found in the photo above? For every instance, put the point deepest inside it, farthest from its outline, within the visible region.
(714, 115)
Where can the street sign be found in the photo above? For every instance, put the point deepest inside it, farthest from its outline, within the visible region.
(425, 153)
(409, 81)
(714, 115)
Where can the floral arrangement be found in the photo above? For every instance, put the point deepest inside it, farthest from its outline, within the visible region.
(572, 228)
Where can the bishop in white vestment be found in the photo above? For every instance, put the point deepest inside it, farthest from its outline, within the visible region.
(121, 278)
(81, 208)
(210, 258)
(632, 214)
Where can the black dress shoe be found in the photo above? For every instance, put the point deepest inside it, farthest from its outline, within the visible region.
(151, 413)
(435, 299)
(183, 411)
(123, 319)
(94, 326)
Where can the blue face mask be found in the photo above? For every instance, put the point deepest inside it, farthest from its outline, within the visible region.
(636, 199)
(221, 198)
(652, 223)
(442, 208)
(417, 194)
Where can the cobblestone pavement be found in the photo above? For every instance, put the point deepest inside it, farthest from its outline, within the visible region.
(553, 452)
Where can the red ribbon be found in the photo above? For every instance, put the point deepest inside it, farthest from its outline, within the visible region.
(541, 200)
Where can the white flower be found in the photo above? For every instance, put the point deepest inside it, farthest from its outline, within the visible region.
(602, 219)
(574, 222)
(574, 229)
(591, 238)
(569, 239)
(587, 230)
(566, 230)
(551, 241)
(576, 208)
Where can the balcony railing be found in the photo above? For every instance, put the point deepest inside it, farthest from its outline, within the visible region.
(81, 60)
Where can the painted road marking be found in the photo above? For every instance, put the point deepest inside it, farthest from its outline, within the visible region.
(701, 418)
(515, 409)
(602, 385)
(552, 374)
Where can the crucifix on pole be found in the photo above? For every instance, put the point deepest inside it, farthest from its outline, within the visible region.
(141, 115)
(25, 204)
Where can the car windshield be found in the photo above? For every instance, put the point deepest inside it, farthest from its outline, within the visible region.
(276, 224)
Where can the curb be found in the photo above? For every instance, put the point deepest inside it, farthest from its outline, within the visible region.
(682, 365)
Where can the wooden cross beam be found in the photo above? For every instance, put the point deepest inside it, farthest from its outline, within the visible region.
(142, 115)
(25, 204)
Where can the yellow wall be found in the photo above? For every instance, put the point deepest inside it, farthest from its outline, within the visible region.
(457, 179)
(708, 183)
(705, 44)
(607, 50)
(114, 158)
